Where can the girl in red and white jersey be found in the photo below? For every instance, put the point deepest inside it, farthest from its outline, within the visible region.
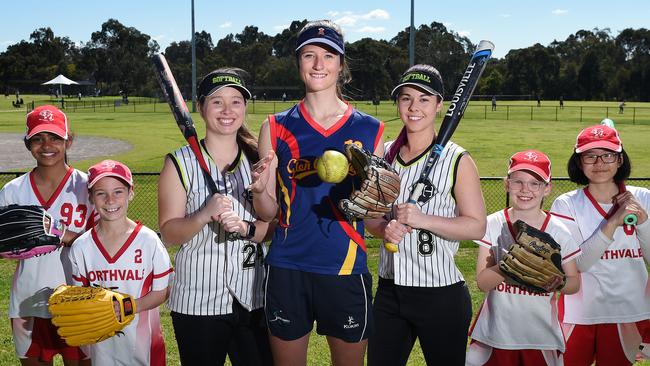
(63, 192)
(600, 320)
(515, 326)
(127, 257)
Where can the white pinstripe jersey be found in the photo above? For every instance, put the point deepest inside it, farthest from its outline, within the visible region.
(615, 289)
(35, 278)
(424, 259)
(140, 266)
(512, 317)
(211, 270)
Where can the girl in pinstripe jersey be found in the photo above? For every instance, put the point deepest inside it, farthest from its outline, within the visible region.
(421, 291)
(216, 296)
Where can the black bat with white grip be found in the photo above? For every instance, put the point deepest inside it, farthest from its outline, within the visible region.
(181, 114)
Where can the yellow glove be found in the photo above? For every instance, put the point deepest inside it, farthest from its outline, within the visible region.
(86, 315)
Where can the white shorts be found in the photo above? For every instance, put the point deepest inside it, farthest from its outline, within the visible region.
(479, 354)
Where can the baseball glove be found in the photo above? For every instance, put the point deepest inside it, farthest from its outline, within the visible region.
(379, 185)
(86, 315)
(27, 231)
(534, 260)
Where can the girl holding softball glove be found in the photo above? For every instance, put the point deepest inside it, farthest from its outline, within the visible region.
(516, 326)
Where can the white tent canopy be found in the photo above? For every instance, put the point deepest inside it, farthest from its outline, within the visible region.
(60, 80)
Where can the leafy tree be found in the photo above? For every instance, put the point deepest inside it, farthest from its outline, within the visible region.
(370, 65)
(533, 70)
(284, 43)
(26, 65)
(446, 50)
(589, 64)
(634, 76)
(123, 58)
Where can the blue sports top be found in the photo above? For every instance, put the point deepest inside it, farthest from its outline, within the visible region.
(313, 235)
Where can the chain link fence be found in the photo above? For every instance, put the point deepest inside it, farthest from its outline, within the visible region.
(476, 110)
(144, 206)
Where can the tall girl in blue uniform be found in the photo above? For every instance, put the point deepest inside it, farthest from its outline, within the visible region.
(317, 261)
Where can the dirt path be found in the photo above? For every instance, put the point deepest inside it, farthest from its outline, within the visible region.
(14, 155)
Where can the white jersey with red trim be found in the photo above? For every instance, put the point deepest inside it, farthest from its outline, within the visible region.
(512, 317)
(615, 289)
(36, 278)
(140, 266)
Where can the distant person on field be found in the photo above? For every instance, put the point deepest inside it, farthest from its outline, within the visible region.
(539, 100)
(621, 107)
(284, 97)
(561, 102)
(79, 95)
(494, 103)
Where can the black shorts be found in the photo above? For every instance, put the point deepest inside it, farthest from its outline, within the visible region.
(438, 317)
(340, 305)
(206, 339)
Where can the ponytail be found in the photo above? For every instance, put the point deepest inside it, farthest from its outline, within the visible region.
(396, 145)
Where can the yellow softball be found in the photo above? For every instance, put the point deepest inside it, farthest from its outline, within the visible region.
(332, 166)
(391, 247)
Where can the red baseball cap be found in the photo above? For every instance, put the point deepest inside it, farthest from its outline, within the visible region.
(598, 137)
(109, 168)
(532, 161)
(47, 118)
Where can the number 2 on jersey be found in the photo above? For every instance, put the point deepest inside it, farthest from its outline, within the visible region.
(252, 253)
(138, 256)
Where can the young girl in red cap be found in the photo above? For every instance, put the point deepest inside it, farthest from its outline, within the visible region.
(127, 257)
(514, 326)
(600, 321)
(63, 192)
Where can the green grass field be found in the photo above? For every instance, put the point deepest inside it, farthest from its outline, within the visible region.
(491, 137)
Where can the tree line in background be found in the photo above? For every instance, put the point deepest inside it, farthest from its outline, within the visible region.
(588, 65)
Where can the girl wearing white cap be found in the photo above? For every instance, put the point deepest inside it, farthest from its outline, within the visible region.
(600, 320)
(217, 295)
(63, 192)
(515, 326)
(317, 259)
(125, 256)
(421, 290)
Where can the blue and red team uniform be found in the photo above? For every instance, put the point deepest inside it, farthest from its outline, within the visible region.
(313, 237)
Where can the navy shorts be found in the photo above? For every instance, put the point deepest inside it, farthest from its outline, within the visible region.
(340, 305)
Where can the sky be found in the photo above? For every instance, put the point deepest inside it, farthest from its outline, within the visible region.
(509, 24)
